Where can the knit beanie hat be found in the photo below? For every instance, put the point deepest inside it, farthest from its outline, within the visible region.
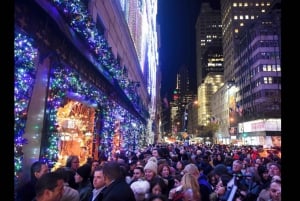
(151, 164)
(84, 171)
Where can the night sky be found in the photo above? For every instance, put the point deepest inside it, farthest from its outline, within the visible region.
(177, 19)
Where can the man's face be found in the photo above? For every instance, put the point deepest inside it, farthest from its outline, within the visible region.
(137, 173)
(155, 153)
(94, 165)
(57, 192)
(98, 181)
(75, 164)
(275, 191)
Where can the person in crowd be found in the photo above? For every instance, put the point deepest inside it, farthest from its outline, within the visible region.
(274, 169)
(220, 192)
(263, 174)
(132, 164)
(27, 191)
(212, 180)
(241, 194)
(177, 180)
(275, 190)
(252, 182)
(237, 167)
(116, 187)
(228, 162)
(254, 154)
(218, 159)
(151, 169)
(179, 166)
(156, 153)
(159, 154)
(49, 187)
(257, 162)
(164, 170)
(141, 189)
(188, 181)
(99, 184)
(219, 170)
(158, 186)
(204, 186)
(70, 194)
(72, 164)
(82, 178)
(264, 194)
(246, 163)
(141, 163)
(94, 164)
(138, 174)
(130, 171)
(203, 162)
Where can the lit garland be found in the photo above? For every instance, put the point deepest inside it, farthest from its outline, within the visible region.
(64, 79)
(76, 14)
(25, 71)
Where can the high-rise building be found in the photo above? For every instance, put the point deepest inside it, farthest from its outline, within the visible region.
(209, 60)
(252, 71)
(235, 16)
(211, 84)
(208, 40)
(182, 96)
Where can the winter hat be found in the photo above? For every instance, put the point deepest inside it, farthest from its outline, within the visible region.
(151, 164)
(84, 171)
(140, 187)
(220, 169)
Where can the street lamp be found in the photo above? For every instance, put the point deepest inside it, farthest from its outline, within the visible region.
(185, 115)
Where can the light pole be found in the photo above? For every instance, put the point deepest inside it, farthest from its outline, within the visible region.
(185, 115)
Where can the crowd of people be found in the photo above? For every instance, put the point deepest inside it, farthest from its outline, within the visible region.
(161, 172)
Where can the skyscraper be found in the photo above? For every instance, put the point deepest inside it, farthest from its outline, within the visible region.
(208, 40)
(209, 59)
(252, 66)
(235, 16)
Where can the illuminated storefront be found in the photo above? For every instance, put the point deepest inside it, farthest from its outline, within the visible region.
(265, 132)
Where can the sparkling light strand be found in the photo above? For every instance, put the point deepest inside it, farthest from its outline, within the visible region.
(25, 70)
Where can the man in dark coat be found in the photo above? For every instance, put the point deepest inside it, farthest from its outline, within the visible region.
(27, 191)
(116, 187)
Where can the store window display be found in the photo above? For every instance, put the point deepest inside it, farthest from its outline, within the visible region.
(75, 129)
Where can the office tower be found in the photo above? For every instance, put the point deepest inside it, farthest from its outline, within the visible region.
(252, 67)
(209, 59)
(208, 41)
(182, 96)
(258, 68)
(235, 16)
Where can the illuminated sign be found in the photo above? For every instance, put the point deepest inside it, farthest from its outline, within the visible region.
(260, 125)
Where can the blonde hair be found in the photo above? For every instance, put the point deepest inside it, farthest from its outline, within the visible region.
(192, 169)
(188, 181)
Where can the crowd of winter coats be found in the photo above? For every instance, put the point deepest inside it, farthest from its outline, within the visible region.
(166, 172)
